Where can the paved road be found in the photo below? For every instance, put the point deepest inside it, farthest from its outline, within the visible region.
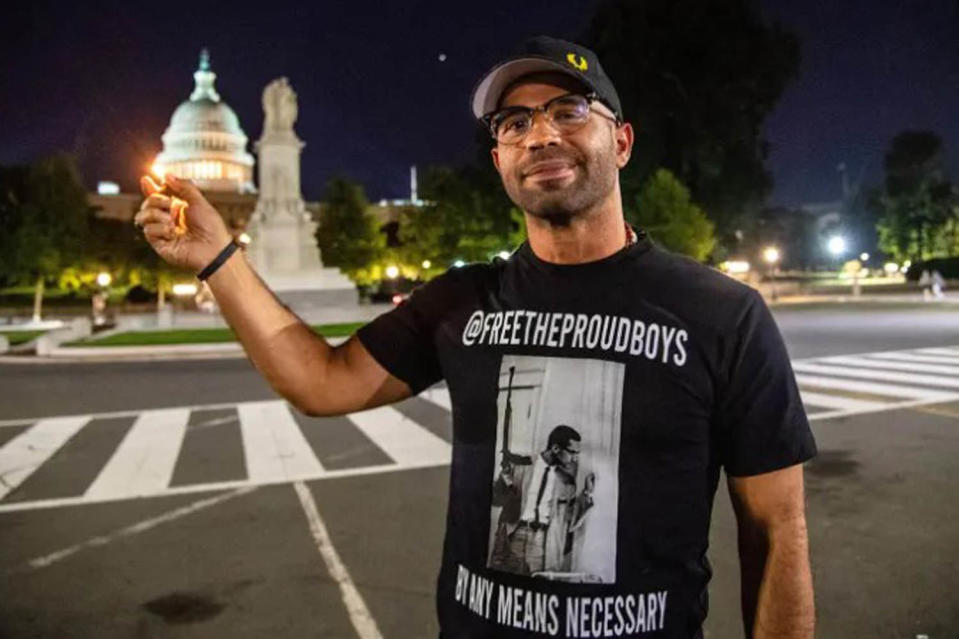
(255, 519)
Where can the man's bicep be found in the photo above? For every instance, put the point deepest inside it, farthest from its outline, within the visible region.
(769, 499)
(355, 381)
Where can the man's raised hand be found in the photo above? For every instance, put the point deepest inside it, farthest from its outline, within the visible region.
(182, 226)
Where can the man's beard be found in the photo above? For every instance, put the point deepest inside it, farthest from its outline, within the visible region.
(594, 180)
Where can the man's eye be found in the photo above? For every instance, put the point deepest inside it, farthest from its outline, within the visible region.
(514, 125)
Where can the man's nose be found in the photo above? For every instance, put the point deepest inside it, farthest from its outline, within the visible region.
(542, 132)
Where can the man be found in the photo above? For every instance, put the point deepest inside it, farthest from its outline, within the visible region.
(540, 509)
(706, 380)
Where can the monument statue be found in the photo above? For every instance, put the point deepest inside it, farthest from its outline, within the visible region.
(279, 105)
(283, 246)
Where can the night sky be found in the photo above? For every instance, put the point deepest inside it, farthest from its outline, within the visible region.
(101, 80)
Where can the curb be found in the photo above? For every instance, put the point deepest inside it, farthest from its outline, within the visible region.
(73, 354)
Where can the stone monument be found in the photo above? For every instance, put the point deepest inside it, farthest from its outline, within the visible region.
(283, 247)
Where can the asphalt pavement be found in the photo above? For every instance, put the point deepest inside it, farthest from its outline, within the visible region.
(112, 527)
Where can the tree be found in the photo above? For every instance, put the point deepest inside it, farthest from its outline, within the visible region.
(467, 217)
(45, 218)
(665, 210)
(348, 235)
(697, 78)
(916, 206)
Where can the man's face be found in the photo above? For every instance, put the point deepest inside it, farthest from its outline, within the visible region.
(559, 176)
(567, 458)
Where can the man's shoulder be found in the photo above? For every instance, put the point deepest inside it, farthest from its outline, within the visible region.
(689, 275)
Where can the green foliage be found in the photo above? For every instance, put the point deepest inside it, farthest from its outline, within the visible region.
(918, 214)
(697, 78)
(348, 235)
(44, 215)
(468, 217)
(665, 210)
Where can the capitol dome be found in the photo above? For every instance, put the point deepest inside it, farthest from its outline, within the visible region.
(205, 142)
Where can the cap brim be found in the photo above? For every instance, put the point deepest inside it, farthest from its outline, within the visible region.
(487, 93)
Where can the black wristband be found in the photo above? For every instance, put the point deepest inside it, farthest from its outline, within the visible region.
(218, 261)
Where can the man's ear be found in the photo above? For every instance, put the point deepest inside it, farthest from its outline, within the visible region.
(495, 153)
(623, 137)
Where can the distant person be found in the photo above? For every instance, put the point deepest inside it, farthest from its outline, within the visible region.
(925, 280)
(700, 365)
(938, 283)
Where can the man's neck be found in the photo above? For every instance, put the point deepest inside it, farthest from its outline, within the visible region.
(588, 237)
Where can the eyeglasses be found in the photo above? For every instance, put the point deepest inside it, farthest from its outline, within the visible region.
(567, 113)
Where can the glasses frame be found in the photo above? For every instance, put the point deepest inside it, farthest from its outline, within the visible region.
(544, 108)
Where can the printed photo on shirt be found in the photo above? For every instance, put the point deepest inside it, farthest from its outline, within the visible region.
(555, 490)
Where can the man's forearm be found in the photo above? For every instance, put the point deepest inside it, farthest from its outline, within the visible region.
(284, 349)
(777, 582)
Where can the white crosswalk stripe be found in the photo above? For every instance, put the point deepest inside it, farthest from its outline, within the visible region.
(28, 450)
(143, 462)
(401, 438)
(274, 446)
(276, 449)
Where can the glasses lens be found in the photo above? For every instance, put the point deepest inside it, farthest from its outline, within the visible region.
(511, 125)
(569, 112)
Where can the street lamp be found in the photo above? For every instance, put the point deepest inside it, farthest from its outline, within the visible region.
(427, 264)
(104, 279)
(392, 271)
(837, 245)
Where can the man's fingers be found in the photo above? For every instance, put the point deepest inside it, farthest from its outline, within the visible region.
(184, 189)
(158, 231)
(151, 216)
(157, 201)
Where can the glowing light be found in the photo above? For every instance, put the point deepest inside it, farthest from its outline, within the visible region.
(244, 239)
(427, 264)
(108, 188)
(735, 266)
(864, 257)
(771, 254)
(906, 264)
(104, 279)
(158, 170)
(503, 255)
(890, 268)
(392, 271)
(459, 263)
(184, 290)
(397, 299)
(837, 245)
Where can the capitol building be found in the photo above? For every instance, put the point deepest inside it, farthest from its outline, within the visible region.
(205, 142)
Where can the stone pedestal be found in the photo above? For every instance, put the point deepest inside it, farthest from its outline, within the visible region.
(283, 248)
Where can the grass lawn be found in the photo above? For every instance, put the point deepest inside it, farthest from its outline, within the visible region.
(20, 337)
(198, 336)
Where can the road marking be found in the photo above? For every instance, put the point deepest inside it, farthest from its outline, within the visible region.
(27, 451)
(143, 462)
(951, 352)
(885, 376)
(439, 395)
(360, 616)
(892, 390)
(910, 357)
(837, 401)
(143, 526)
(400, 438)
(60, 502)
(864, 362)
(273, 443)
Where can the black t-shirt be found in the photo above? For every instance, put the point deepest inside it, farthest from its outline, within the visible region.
(593, 405)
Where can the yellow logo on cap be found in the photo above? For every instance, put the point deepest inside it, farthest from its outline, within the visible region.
(579, 64)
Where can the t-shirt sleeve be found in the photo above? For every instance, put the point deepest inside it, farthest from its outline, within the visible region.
(762, 421)
(402, 340)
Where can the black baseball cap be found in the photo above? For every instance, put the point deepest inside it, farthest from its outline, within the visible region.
(539, 54)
